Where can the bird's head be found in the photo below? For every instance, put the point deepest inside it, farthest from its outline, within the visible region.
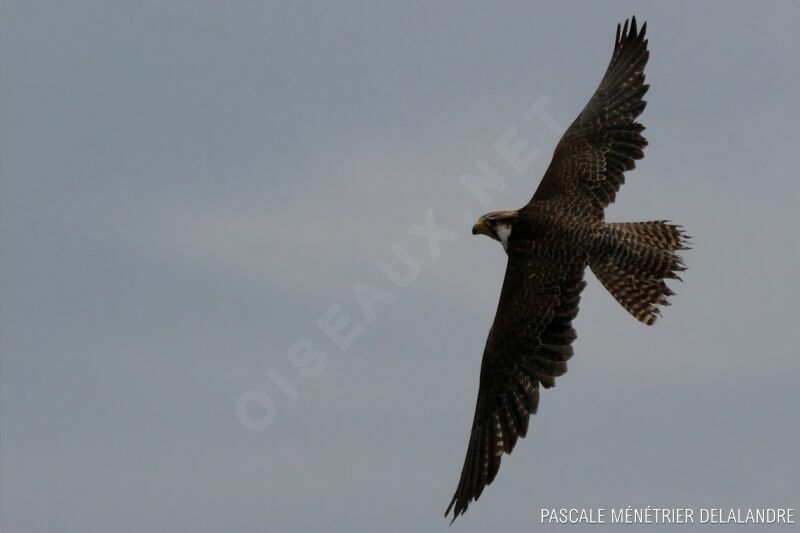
(497, 225)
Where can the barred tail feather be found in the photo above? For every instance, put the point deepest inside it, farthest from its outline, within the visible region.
(633, 260)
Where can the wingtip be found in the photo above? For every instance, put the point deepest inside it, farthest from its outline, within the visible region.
(455, 513)
(450, 508)
(631, 30)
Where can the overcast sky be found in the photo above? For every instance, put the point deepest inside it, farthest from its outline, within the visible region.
(189, 187)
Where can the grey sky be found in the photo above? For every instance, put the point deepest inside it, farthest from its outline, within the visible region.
(188, 186)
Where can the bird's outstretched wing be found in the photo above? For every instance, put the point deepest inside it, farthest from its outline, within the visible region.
(528, 346)
(605, 140)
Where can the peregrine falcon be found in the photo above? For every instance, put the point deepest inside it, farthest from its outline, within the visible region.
(549, 243)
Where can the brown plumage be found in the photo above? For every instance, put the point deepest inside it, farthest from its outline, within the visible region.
(549, 243)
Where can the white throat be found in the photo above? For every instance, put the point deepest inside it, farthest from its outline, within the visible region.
(503, 233)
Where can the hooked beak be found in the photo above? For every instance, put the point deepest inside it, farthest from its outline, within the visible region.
(480, 227)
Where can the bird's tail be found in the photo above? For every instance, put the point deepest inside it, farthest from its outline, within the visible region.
(633, 259)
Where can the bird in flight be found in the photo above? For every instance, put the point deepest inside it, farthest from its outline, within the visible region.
(549, 243)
